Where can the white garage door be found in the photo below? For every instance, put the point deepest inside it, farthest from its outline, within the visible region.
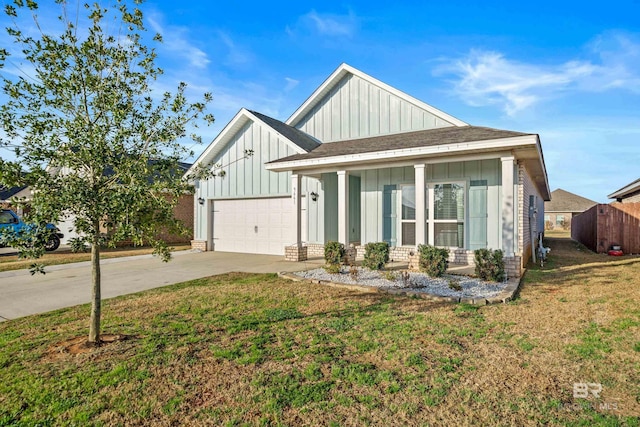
(255, 226)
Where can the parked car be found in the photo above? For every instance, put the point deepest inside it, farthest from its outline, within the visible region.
(9, 219)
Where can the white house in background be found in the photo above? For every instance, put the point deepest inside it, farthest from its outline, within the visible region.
(361, 161)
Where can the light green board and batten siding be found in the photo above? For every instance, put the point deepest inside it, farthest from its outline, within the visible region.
(485, 172)
(356, 108)
(247, 178)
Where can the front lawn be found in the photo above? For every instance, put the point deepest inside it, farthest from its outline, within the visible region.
(244, 349)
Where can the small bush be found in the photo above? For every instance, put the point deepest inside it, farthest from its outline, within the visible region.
(332, 268)
(353, 272)
(489, 264)
(376, 255)
(455, 285)
(433, 261)
(390, 276)
(333, 253)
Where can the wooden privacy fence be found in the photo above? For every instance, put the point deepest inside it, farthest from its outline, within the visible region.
(605, 225)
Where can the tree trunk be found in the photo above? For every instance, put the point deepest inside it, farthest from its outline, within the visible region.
(94, 327)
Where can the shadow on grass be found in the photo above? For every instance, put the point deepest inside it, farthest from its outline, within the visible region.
(571, 263)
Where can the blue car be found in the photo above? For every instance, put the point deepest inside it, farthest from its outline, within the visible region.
(9, 219)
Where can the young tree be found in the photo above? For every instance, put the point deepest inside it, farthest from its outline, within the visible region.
(87, 133)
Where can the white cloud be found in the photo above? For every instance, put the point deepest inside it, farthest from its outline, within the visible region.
(236, 55)
(176, 40)
(490, 78)
(291, 84)
(327, 24)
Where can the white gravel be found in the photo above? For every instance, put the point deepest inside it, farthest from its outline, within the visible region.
(418, 282)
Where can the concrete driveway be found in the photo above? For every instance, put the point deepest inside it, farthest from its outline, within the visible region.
(67, 285)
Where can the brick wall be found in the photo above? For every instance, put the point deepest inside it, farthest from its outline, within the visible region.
(200, 245)
(526, 188)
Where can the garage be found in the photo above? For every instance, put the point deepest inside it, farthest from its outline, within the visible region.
(254, 226)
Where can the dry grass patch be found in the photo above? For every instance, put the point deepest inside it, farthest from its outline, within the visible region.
(245, 349)
(65, 256)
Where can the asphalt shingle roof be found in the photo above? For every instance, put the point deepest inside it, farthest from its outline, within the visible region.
(564, 201)
(396, 141)
(301, 139)
(7, 193)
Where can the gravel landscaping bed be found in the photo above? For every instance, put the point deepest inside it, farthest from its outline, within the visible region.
(416, 282)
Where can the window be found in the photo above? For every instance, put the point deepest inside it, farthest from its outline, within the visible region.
(408, 215)
(560, 220)
(6, 218)
(448, 215)
(547, 218)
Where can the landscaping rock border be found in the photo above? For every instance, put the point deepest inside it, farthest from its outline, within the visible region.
(508, 294)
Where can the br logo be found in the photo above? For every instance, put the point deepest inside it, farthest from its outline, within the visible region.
(583, 390)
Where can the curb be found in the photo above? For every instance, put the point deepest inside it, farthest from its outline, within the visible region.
(508, 294)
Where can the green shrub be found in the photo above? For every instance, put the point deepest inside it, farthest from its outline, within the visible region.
(376, 255)
(489, 264)
(332, 268)
(333, 253)
(433, 261)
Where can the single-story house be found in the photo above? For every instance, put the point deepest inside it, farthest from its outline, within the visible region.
(360, 161)
(630, 193)
(7, 196)
(563, 206)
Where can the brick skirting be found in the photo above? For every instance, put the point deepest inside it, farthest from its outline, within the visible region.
(200, 245)
(295, 253)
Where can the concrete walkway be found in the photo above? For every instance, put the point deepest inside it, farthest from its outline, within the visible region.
(22, 294)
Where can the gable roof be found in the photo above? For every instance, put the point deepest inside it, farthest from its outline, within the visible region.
(7, 193)
(627, 189)
(340, 73)
(298, 140)
(301, 139)
(564, 201)
(399, 141)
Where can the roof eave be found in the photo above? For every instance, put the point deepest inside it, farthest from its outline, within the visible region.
(634, 186)
(437, 150)
(229, 131)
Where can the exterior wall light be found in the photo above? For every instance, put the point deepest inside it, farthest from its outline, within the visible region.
(201, 200)
(314, 196)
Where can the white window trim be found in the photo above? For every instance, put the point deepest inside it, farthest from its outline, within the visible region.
(431, 221)
(400, 220)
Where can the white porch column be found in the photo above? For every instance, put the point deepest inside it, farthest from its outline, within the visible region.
(296, 189)
(421, 221)
(508, 206)
(343, 208)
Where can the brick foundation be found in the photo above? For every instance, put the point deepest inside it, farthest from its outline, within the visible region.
(199, 245)
(315, 250)
(295, 253)
(513, 266)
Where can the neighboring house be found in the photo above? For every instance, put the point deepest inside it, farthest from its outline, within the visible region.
(562, 208)
(630, 193)
(182, 211)
(360, 161)
(8, 194)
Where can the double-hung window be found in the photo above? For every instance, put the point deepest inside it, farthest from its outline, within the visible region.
(448, 214)
(408, 215)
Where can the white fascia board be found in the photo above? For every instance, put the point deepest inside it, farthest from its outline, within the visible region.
(219, 141)
(340, 72)
(544, 167)
(295, 147)
(412, 162)
(453, 149)
(625, 190)
(229, 131)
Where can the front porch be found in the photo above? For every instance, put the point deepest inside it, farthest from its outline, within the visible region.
(461, 204)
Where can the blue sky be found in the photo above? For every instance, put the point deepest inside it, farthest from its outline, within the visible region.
(569, 71)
